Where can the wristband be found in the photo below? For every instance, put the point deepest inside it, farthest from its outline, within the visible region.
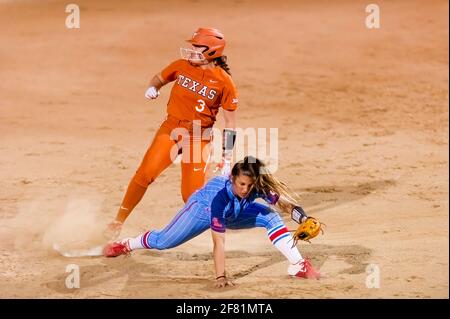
(298, 214)
(272, 198)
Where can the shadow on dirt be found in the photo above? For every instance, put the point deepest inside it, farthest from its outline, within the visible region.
(198, 272)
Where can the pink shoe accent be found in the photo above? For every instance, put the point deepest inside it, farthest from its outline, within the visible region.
(307, 271)
(117, 248)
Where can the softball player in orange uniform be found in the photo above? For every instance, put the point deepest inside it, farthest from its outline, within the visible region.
(202, 85)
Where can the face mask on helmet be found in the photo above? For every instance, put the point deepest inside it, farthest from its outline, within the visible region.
(193, 55)
(211, 39)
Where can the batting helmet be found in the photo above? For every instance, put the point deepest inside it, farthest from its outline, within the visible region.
(210, 38)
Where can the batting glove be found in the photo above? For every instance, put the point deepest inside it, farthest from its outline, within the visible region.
(151, 93)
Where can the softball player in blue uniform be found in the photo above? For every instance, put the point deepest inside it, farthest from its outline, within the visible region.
(229, 203)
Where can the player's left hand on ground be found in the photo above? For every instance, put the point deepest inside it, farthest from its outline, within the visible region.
(113, 230)
(223, 282)
(307, 230)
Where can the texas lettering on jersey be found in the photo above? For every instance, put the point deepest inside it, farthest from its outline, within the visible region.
(197, 94)
(196, 87)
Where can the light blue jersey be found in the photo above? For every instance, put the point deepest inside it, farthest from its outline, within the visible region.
(215, 206)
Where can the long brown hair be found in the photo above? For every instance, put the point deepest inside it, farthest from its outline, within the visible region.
(222, 62)
(264, 182)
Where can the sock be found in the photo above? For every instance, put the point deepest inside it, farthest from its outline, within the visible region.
(133, 196)
(140, 242)
(282, 240)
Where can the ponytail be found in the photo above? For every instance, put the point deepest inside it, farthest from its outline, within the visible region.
(264, 182)
(222, 62)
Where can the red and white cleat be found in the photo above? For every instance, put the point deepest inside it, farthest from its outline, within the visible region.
(303, 269)
(117, 248)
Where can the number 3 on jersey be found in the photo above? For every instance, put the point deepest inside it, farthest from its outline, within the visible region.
(201, 107)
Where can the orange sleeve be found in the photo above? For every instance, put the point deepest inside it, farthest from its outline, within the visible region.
(169, 73)
(229, 96)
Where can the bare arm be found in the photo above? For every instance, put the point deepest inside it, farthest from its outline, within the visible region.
(157, 81)
(155, 84)
(296, 211)
(219, 259)
(285, 204)
(219, 252)
(230, 119)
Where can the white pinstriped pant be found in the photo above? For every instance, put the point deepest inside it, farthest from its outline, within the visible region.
(195, 218)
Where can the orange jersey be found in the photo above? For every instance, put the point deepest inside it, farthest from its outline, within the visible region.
(197, 93)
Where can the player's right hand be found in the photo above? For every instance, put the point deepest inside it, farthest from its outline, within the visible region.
(151, 93)
(113, 230)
